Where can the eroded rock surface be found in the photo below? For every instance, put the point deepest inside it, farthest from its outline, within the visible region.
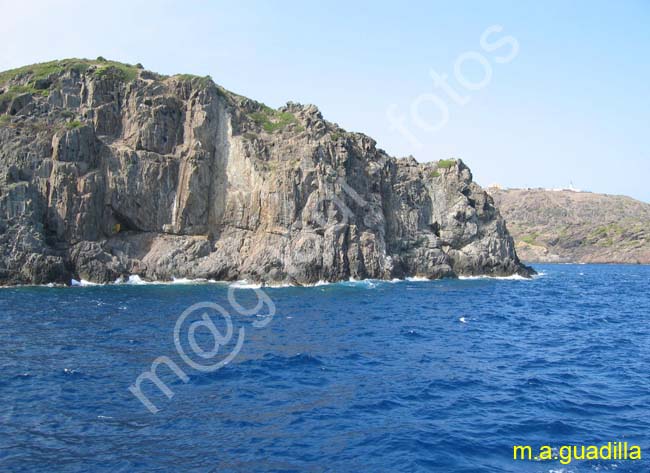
(108, 170)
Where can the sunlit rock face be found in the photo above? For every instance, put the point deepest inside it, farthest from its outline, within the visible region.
(108, 170)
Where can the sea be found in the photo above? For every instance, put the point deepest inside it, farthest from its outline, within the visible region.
(358, 376)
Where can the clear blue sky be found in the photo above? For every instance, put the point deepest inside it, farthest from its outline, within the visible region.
(572, 106)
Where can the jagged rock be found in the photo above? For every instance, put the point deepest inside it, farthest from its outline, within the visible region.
(118, 171)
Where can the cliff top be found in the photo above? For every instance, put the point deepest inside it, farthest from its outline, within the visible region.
(39, 81)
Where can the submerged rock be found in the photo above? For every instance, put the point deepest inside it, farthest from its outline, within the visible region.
(113, 170)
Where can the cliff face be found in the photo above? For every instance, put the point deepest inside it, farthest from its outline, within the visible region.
(580, 227)
(108, 170)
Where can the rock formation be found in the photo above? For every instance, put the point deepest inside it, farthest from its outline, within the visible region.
(108, 170)
(552, 226)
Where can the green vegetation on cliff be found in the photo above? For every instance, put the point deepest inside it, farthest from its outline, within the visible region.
(202, 81)
(38, 79)
(273, 120)
(124, 72)
(34, 73)
(446, 163)
(73, 124)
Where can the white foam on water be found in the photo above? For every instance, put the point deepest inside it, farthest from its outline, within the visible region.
(244, 284)
(417, 279)
(514, 277)
(352, 282)
(81, 283)
(369, 283)
(136, 280)
(49, 285)
(191, 281)
(280, 285)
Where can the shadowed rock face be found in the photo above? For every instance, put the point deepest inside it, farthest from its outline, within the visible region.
(106, 173)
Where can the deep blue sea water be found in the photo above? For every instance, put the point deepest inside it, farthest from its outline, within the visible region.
(365, 377)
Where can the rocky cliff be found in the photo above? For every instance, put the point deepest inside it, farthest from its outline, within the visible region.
(580, 227)
(108, 170)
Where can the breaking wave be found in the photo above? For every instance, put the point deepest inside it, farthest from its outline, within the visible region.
(136, 280)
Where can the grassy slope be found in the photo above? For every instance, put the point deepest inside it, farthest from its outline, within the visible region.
(576, 226)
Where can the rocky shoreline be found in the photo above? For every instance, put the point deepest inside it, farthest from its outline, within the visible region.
(108, 170)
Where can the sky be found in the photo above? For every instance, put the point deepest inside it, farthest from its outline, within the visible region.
(529, 94)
